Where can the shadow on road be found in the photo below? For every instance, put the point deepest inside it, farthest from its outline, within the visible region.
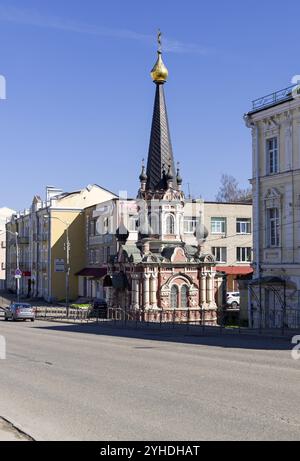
(208, 337)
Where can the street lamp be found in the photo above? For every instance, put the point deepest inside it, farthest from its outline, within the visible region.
(68, 257)
(17, 257)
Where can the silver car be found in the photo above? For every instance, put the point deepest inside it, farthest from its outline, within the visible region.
(19, 311)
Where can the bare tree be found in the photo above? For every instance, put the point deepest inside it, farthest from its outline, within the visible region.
(230, 191)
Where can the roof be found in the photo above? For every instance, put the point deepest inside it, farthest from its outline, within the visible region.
(244, 202)
(97, 272)
(160, 155)
(235, 270)
(133, 252)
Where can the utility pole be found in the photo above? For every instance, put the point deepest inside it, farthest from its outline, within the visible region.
(68, 246)
(17, 277)
(18, 262)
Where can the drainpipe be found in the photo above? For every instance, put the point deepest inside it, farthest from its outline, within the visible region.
(257, 239)
(257, 204)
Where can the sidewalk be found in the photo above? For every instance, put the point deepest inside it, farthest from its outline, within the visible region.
(9, 433)
(6, 298)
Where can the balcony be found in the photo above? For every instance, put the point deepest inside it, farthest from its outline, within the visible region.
(287, 94)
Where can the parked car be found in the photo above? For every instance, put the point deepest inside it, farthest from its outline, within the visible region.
(98, 309)
(233, 299)
(19, 311)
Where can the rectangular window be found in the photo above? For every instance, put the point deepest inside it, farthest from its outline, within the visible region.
(243, 226)
(272, 155)
(220, 254)
(243, 254)
(92, 226)
(102, 255)
(273, 237)
(190, 225)
(132, 223)
(218, 225)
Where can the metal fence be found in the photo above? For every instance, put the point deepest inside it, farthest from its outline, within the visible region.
(228, 321)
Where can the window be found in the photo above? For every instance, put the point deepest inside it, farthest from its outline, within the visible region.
(220, 254)
(107, 254)
(218, 225)
(91, 256)
(190, 225)
(153, 220)
(273, 230)
(243, 254)
(272, 155)
(184, 296)
(132, 223)
(174, 297)
(243, 226)
(170, 224)
(92, 227)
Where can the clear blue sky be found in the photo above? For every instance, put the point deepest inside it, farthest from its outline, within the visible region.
(79, 95)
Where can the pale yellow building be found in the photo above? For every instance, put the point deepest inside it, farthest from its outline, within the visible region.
(275, 292)
(43, 232)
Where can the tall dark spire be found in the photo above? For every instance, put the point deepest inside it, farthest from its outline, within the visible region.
(160, 155)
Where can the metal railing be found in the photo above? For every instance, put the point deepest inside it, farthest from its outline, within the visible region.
(227, 321)
(274, 98)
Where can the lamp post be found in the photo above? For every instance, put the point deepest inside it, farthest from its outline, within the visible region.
(15, 234)
(68, 246)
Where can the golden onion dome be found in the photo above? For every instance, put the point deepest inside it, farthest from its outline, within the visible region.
(159, 73)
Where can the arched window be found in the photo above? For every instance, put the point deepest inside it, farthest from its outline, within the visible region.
(184, 296)
(170, 224)
(154, 222)
(174, 297)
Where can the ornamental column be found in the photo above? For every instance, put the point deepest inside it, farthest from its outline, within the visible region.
(153, 291)
(203, 289)
(209, 284)
(146, 291)
(135, 292)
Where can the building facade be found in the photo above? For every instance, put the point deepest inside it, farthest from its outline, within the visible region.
(229, 236)
(50, 243)
(274, 294)
(101, 243)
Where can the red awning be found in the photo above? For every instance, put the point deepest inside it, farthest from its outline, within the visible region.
(96, 272)
(26, 274)
(235, 270)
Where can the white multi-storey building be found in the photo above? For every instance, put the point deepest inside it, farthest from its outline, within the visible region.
(275, 291)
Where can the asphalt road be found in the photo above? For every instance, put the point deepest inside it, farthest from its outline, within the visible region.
(64, 382)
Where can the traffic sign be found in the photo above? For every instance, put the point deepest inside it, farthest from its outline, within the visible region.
(18, 273)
